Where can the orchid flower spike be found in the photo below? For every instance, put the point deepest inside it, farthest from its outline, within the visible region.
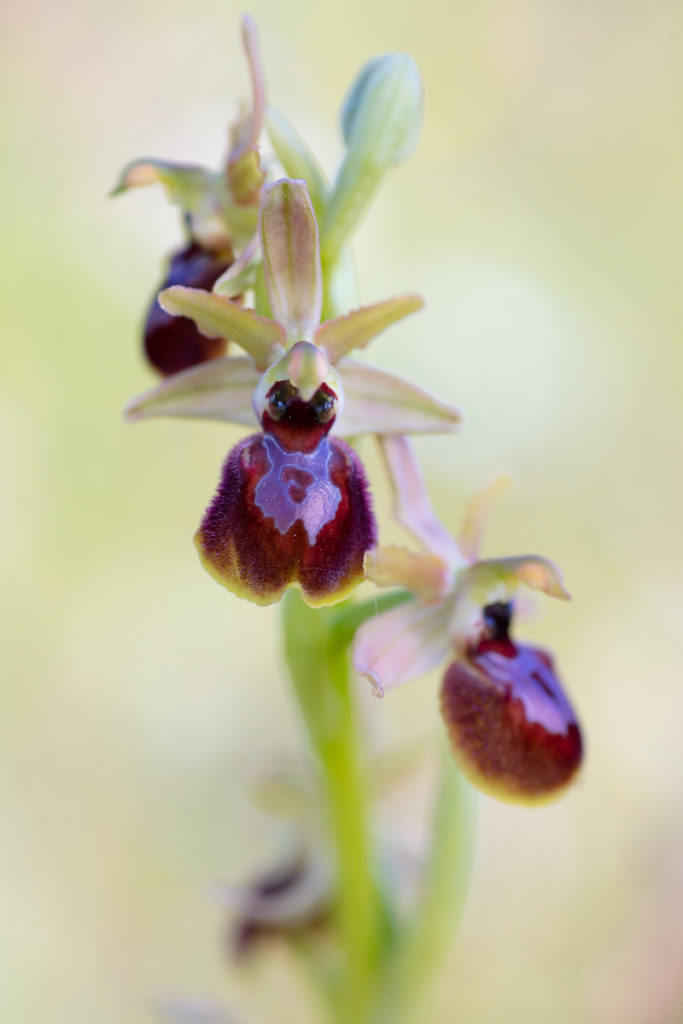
(512, 729)
(292, 507)
(220, 211)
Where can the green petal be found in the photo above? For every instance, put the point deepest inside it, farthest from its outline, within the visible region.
(241, 274)
(421, 572)
(187, 185)
(340, 336)
(220, 389)
(218, 317)
(496, 579)
(291, 257)
(199, 192)
(477, 512)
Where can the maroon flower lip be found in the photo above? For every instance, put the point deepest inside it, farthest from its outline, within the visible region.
(511, 726)
(292, 507)
(172, 343)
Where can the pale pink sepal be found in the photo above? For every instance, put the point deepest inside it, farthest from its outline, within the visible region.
(426, 575)
(412, 507)
(402, 644)
(477, 512)
(340, 336)
(380, 403)
(217, 317)
(219, 389)
(291, 257)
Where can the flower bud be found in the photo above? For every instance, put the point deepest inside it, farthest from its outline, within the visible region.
(381, 120)
(513, 731)
(174, 343)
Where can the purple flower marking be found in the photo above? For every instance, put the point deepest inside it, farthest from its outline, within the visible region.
(297, 486)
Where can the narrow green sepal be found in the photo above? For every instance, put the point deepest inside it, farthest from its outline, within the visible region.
(291, 257)
(187, 185)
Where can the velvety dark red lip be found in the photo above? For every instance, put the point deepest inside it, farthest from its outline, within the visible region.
(511, 725)
(256, 546)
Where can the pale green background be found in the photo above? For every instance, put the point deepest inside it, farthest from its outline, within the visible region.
(541, 218)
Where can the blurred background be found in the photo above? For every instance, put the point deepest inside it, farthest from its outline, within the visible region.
(541, 218)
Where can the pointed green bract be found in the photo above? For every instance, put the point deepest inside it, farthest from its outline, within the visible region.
(297, 160)
(218, 317)
(340, 336)
(291, 258)
(220, 389)
(381, 120)
(377, 402)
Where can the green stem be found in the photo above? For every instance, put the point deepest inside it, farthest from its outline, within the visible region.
(426, 939)
(319, 669)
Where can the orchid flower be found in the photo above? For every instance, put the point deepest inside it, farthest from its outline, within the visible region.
(220, 210)
(292, 506)
(512, 729)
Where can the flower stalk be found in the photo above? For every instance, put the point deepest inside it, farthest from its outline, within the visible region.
(318, 665)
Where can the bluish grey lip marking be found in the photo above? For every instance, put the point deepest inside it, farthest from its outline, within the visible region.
(298, 486)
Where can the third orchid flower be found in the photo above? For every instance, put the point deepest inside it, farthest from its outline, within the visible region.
(512, 728)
